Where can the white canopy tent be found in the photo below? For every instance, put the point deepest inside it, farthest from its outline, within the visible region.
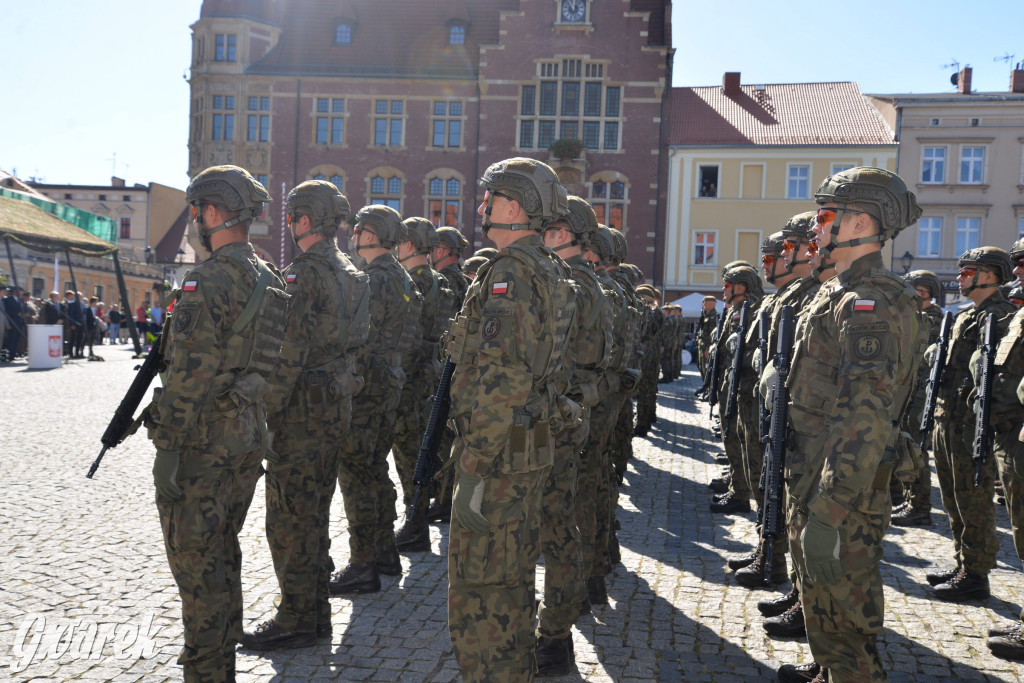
(693, 303)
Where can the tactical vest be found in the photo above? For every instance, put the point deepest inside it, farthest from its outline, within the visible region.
(438, 305)
(594, 343)
(255, 338)
(349, 291)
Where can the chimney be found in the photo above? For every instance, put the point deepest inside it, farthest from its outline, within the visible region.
(963, 81)
(1017, 79)
(116, 182)
(731, 83)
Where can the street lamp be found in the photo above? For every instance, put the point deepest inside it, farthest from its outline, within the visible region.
(908, 261)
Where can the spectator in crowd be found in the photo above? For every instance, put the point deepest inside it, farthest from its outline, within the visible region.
(114, 324)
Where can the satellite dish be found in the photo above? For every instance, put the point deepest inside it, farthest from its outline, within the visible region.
(955, 78)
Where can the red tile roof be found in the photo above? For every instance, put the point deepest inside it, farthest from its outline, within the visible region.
(780, 114)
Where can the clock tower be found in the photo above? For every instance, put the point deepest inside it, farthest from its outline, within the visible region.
(572, 11)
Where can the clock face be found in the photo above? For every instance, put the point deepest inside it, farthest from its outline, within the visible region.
(574, 10)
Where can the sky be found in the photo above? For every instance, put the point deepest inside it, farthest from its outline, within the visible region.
(95, 89)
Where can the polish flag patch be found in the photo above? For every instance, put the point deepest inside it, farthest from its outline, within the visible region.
(864, 305)
(190, 286)
(499, 288)
(290, 278)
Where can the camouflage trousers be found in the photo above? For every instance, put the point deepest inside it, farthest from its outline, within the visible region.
(491, 603)
(918, 491)
(595, 487)
(366, 487)
(1005, 447)
(739, 487)
(621, 445)
(748, 430)
(647, 397)
(300, 487)
(971, 509)
(201, 540)
(414, 412)
(843, 620)
(564, 578)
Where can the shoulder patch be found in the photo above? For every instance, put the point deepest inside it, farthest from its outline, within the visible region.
(499, 288)
(190, 286)
(864, 305)
(291, 277)
(186, 317)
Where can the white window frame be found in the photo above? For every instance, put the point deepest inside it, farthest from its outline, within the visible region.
(930, 232)
(718, 186)
(974, 164)
(925, 158)
(714, 245)
(840, 166)
(963, 230)
(789, 179)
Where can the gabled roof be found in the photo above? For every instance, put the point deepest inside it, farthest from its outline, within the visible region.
(393, 38)
(777, 114)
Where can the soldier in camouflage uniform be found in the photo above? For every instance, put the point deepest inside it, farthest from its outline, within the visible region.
(308, 411)
(507, 345)
(916, 510)
(653, 330)
(741, 285)
(971, 508)
(856, 355)
(564, 575)
(1007, 447)
(668, 347)
(445, 259)
(366, 487)
(422, 371)
(706, 331)
(208, 421)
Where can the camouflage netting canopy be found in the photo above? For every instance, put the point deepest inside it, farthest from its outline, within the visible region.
(25, 223)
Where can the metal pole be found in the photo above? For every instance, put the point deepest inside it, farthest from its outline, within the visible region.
(10, 259)
(74, 283)
(129, 312)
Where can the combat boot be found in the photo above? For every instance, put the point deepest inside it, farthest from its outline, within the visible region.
(731, 504)
(597, 592)
(439, 513)
(738, 562)
(996, 631)
(941, 576)
(908, 516)
(964, 586)
(790, 624)
(362, 577)
(388, 562)
(614, 553)
(773, 607)
(719, 485)
(554, 656)
(753, 575)
(1008, 645)
(799, 673)
(270, 636)
(414, 536)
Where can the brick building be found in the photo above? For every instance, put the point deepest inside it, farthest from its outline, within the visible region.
(405, 102)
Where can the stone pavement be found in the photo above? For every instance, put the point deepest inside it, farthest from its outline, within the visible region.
(82, 561)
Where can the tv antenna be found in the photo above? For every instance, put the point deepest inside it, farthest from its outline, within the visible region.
(1007, 58)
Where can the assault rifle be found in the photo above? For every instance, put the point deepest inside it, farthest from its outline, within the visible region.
(982, 426)
(737, 367)
(935, 379)
(772, 525)
(426, 461)
(764, 332)
(123, 424)
(708, 389)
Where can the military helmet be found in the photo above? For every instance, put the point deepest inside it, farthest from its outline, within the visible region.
(322, 202)
(1017, 293)
(422, 234)
(621, 247)
(603, 244)
(772, 244)
(533, 184)
(800, 225)
(581, 219)
(925, 279)
(747, 276)
(384, 222)
(734, 264)
(230, 188)
(993, 258)
(486, 252)
(452, 238)
(473, 264)
(630, 273)
(638, 274)
(882, 194)
(1017, 250)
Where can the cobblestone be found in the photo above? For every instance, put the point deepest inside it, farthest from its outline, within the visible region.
(89, 552)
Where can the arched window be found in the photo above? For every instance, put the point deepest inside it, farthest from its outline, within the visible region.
(386, 187)
(609, 195)
(444, 197)
(343, 34)
(329, 172)
(457, 35)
